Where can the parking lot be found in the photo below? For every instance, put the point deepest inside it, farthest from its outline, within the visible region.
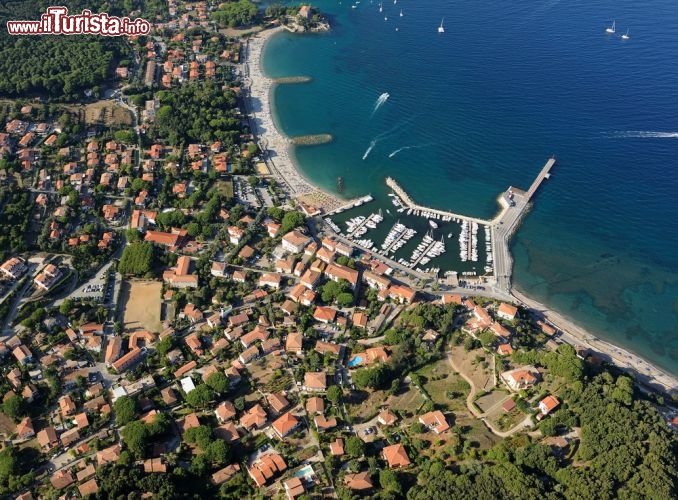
(100, 287)
(244, 192)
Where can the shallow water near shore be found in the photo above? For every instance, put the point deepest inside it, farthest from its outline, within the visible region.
(482, 106)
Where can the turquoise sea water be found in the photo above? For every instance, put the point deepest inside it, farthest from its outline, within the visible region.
(483, 106)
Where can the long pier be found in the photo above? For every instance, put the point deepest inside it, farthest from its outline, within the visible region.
(544, 174)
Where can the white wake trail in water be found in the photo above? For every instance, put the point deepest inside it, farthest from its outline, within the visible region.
(407, 147)
(380, 101)
(390, 132)
(642, 134)
(370, 148)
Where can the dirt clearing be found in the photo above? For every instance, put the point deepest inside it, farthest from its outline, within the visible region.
(141, 305)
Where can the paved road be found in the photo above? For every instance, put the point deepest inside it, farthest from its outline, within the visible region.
(501, 230)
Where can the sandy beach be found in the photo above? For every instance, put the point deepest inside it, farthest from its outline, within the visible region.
(274, 144)
(645, 373)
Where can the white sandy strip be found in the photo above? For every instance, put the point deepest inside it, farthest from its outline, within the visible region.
(270, 138)
(573, 334)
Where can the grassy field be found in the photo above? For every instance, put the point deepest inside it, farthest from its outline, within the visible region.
(471, 365)
(505, 421)
(141, 305)
(224, 188)
(7, 427)
(408, 401)
(440, 382)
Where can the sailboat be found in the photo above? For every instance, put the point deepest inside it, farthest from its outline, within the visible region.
(611, 29)
(381, 8)
(440, 28)
(401, 12)
(625, 36)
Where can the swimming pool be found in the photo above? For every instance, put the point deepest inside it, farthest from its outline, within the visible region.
(305, 472)
(354, 361)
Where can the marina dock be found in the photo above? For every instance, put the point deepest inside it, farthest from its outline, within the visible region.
(514, 204)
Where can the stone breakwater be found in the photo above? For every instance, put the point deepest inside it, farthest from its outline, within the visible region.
(292, 79)
(311, 140)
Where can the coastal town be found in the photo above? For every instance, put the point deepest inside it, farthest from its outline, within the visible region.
(179, 318)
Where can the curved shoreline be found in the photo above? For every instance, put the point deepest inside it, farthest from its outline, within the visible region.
(284, 168)
(276, 147)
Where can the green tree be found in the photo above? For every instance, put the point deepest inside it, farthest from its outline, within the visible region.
(345, 299)
(200, 396)
(125, 410)
(388, 480)
(165, 346)
(355, 447)
(291, 220)
(124, 136)
(218, 381)
(66, 306)
(218, 453)
(332, 289)
(135, 436)
(487, 339)
(136, 259)
(8, 464)
(276, 212)
(334, 393)
(200, 436)
(375, 378)
(15, 407)
(233, 14)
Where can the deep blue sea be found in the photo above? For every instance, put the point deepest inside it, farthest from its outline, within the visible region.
(482, 106)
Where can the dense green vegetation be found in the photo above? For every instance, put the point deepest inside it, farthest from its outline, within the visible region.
(626, 451)
(198, 112)
(60, 67)
(55, 66)
(137, 259)
(15, 209)
(291, 220)
(125, 410)
(14, 407)
(138, 435)
(234, 14)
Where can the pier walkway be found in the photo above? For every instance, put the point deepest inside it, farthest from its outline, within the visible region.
(390, 182)
(390, 262)
(357, 228)
(544, 174)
